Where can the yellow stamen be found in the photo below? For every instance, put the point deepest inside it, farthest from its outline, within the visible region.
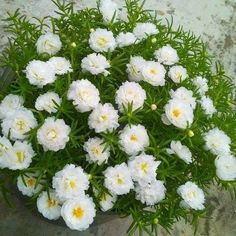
(78, 212)
(144, 167)
(20, 156)
(96, 151)
(176, 113)
(30, 182)
(153, 71)
(52, 134)
(52, 203)
(133, 138)
(103, 118)
(20, 125)
(191, 194)
(102, 42)
(72, 184)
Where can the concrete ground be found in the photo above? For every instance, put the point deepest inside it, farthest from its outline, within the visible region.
(215, 21)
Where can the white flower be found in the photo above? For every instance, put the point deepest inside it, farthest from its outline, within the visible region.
(184, 95)
(20, 156)
(78, 213)
(125, 39)
(18, 123)
(102, 40)
(217, 142)
(181, 151)
(84, 94)
(207, 106)
(9, 104)
(165, 120)
(143, 168)
(166, 55)
(5, 148)
(40, 73)
(151, 193)
(201, 84)
(103, 118)
(28, 186)
(48, 43)
(48, 102)
(95, 64)
(133, 139)
(226, 167)
(178, 74)
(107, 201)
(70, 182)
(143, 30)
(135, 67)
(118, 180)
(193, 196)
(53, 134)
(179, 113)
(109, 10)
(154, 73)
(60, 65)
(130, 93)
(49, 206)
(96, 151)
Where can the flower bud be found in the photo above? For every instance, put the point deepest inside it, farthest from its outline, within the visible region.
(73, 44)
(153, 107)
(190, 133)
(154, 40)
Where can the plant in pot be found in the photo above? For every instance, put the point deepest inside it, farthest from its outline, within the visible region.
(115, 113)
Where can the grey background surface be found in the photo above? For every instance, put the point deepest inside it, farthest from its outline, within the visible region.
(215, 21)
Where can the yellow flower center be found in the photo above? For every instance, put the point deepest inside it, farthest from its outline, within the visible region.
(96, 151)
(20, 156)
(78, 212)
(104, 196)
(144, 167)
(52, 203)
(30, 182)
(20, 124)
(52, 134)
(134, 138)
(72, 184)
(178, 76)
(191, 194)
(102, 41)
(176, 112)
(120, 179)
(103, 118)
(153, 71)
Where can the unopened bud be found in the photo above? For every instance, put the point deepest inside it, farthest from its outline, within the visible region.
(190, 133)
(153, 107)
(90, 176)
(154, 40)
(92, 30)
(155, 221)
(73, 44)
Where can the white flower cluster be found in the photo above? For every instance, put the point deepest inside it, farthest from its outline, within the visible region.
(16, 119)
(40, 73)
(78, 209)
(218, 143)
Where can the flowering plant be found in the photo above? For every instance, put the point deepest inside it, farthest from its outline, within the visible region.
(114, 111)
